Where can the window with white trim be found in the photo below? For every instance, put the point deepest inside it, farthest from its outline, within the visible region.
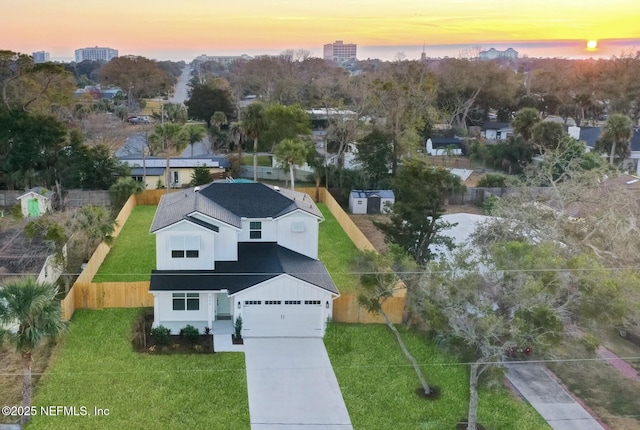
(186, 301)
(185, 246)
(255, 230)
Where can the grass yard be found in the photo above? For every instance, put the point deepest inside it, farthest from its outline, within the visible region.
(263, 160)
(378, 384)
(95, 366)
(133, 254)
(337, 252)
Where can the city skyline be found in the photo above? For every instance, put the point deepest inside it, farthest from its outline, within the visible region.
(380, 28)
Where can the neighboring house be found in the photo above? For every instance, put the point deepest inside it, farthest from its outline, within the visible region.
(249, 250)
(150, 170)
(438, 145)
(35, 202)
(496, 131)
(591, 135)
(370, 201)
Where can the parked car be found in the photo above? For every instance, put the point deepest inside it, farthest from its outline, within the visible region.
(139, 120)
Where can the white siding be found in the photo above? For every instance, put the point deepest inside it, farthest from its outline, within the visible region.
(175, 320)
(357, 205)
(289, 234)
(205, 261)
(286, 287)
(384, 207)
(269, 230)
(226, 242)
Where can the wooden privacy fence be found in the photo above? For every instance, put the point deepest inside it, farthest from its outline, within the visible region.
(349, 227)
(347, 309)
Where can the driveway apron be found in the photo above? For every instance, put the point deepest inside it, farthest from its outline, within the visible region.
(291, 385)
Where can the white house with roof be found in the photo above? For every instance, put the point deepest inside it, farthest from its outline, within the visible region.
(496, 131)
(151, 170)
(249, 250)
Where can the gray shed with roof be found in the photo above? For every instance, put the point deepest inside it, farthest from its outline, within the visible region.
(370, 201)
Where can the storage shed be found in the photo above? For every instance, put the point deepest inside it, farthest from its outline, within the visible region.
(35, 202)
(370, 201)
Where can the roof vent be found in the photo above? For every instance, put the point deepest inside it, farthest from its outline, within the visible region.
(277, 188)
(196, 189)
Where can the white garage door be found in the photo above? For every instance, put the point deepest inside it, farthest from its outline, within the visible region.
(282, 318)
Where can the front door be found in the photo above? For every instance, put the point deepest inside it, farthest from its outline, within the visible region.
(34, 208)
(223, 306)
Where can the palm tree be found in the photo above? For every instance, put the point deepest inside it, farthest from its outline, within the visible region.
(218, 119)
(33, 307)
(524, 121)
(254, 123)
(449, 151)
(168, 139)
(196, 134)
(236, 133)
(293, 152)
(95, 225)
(618, 130)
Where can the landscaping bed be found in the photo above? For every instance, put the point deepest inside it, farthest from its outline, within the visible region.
(379, 385)
(144, 341)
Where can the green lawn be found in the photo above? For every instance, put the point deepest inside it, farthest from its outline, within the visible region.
(96, 367)
(263, 160)
(378, 384)
(337, 252)
(133, 254)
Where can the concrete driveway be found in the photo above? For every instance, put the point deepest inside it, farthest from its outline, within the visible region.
(291, 385)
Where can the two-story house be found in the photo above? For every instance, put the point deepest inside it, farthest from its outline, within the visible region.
(226, 250)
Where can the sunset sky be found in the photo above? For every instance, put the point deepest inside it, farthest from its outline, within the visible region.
(183, 29)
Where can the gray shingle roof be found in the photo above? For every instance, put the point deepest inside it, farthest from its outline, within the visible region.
(229, 202)
(257, 262)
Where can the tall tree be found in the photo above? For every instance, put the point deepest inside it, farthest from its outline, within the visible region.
(285, 122)
(546, 135)
(380, 280)
(207, 99)
(524, 121)
(170, 140)
(253, 121)
(420, 195)
(399, 97)
(374, 154)
(292, 152)
(35, 309)
(491, 317)
(196, 134)
(138, 76)
(616, 135)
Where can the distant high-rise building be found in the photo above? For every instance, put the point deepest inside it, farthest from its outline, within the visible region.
(339, 52)
(493, 54)
(40, 57)
(95, 54)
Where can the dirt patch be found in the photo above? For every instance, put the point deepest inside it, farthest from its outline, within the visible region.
(11, 381)
(472, 181)
(366, 226)
(143, 342)
(468, 209)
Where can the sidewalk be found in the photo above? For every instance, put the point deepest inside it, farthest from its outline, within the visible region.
(549, 398)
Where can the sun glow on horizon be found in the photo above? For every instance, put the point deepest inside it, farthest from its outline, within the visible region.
(592, 45)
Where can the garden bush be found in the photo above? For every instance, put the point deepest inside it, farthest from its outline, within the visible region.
(161, 334)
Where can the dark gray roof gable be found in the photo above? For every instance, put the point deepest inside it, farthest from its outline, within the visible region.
(230, 202)
(257, 262)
